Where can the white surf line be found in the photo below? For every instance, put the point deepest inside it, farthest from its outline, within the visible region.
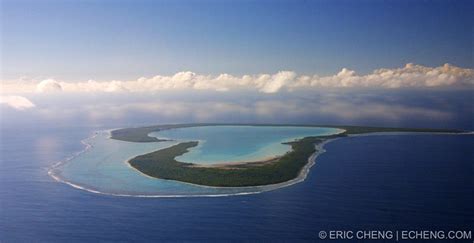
(76, 186)
(74, 155)
(88, 146)
(301, 177)
(265, 188)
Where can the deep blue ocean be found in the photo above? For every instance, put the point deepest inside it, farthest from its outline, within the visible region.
(414, 182)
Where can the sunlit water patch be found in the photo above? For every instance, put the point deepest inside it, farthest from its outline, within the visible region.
(103, 168)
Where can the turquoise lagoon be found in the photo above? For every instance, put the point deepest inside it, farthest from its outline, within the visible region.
(102, 167)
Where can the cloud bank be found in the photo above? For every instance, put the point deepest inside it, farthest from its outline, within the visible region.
(409, 76)
(409, 108)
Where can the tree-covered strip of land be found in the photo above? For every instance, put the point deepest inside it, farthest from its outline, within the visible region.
(140, 134)
(162, 164)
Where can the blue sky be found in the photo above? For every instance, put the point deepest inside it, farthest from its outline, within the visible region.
(104, 40)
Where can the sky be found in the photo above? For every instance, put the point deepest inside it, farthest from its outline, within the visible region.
(109, 40)
(117, 63)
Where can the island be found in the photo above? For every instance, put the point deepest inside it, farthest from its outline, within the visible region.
(162, 164)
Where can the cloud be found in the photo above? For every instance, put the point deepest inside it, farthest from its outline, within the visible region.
(115, 86)
(16, 102)
(48, 85)
(403, 108)
(276, 82)
(409, 76)
(386, 112)
(345, 109)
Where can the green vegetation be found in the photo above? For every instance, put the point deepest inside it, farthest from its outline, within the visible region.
(140, 134)
(162, 163)
(137, 135)
(353, 130)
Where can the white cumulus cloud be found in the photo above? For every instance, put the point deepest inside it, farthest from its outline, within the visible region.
(16, 102)
(409, 76)
(276, 82)
(48, 85)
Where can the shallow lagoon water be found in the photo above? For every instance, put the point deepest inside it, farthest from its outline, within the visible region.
(220, 144)
(102, 167)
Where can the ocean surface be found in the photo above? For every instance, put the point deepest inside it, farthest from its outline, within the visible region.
(389, 182)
